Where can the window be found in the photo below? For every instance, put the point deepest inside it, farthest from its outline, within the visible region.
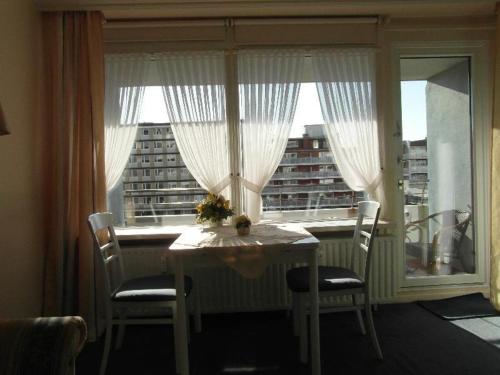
(295, 185)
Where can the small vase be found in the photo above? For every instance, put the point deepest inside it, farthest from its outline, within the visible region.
(243, 231)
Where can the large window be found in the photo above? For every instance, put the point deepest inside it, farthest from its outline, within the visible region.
(157, 187)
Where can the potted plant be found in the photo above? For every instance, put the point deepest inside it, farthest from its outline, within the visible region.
(242, 224)
(213, 209)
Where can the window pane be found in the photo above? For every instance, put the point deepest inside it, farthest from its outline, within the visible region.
(436, 115)
(307, 177)
(156, 186)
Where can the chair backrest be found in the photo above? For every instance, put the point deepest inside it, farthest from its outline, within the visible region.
(363, 240)
(108, 250)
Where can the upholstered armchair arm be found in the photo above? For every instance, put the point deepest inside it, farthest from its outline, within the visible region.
(41, 346)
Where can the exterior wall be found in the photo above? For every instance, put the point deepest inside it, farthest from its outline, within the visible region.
(306, 178)
(448, 129)
(21, 252)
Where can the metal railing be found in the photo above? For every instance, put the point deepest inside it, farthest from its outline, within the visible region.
(306, 203)
(308, 160)
(311, 174)
(306, 188)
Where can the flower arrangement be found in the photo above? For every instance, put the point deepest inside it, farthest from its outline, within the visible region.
(242, 221)
(214, 208)
(242, 224)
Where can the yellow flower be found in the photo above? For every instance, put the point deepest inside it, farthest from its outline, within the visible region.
(226, 205)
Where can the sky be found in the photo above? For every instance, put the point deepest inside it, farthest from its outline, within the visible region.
(413, 110)
(309, 112)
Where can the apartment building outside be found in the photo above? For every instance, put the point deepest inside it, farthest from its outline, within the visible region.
(156, 182)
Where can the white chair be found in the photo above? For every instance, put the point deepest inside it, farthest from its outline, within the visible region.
(339, 281)
(122, 295)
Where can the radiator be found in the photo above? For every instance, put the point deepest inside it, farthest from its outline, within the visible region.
(223, 290)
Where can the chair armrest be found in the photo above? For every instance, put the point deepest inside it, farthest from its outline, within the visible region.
(41, 345)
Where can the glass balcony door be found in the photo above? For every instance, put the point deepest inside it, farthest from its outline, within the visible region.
(437, 174)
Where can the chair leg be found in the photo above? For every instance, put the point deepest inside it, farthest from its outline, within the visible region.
(371, 326)
(121, 332)
(303, 336)
(188, 327)
(197, 312)
(295, 314)
(174, 330)
(358, 314)
(107, 346)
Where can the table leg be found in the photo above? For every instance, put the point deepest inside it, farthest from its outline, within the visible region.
(181, 342)
(314, 311)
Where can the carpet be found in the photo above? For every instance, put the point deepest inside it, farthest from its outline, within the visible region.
(413, 341)
(462, 307)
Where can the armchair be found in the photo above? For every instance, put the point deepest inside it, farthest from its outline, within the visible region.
(41, 346)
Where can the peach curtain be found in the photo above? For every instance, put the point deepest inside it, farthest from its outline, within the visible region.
(495, 179)
(74, 166)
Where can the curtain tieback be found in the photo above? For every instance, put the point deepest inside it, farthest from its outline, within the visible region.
(372, 186)
(250, 185)
(216, 189)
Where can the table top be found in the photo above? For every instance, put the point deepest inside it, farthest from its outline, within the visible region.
(275, 235)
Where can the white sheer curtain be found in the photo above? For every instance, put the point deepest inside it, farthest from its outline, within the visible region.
(125, 78)
(269, 84)
(346, 88)
(194, 93)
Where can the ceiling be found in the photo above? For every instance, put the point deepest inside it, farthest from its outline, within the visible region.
(149, 9)
(421, 69)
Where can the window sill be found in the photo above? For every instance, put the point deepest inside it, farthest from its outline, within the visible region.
(169, 232)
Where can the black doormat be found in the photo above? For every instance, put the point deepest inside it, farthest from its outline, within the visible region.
(462, 307)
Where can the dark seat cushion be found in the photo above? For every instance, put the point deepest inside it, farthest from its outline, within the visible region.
(329, 279)
(150, 288)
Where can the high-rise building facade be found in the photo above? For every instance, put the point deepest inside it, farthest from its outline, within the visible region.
(157, 183)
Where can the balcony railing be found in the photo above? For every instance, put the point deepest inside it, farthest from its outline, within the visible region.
(163, 206)
(304, 203)
(416, 155)
(308, 160)
(312, 174)
(305, 189)
(418, 168)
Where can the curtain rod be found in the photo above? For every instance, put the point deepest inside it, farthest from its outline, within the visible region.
(244, 21)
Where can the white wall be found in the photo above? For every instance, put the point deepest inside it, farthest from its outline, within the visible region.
(21, 251)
